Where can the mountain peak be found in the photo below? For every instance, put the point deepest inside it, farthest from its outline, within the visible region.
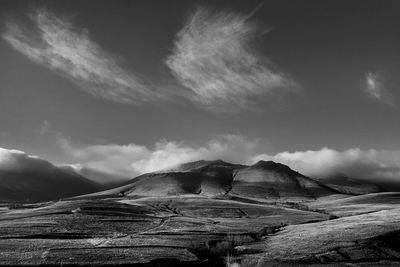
(271, 165)
(203, 164)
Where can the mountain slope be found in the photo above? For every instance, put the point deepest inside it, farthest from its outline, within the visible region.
(347, 185)
(267, 179)
(28, 178)
(201, 177)
(50, 184)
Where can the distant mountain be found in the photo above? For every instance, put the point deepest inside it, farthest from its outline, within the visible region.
(352, 186)
(105, 179)
(28, 178)
(265, 179)
(43, 185)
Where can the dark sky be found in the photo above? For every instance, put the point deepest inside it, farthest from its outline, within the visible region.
(341, 57)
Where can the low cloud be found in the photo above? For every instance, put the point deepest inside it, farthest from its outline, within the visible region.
(231, 148)
(15, 160)
(128, 161)
(56, 43)
(375, 88)
(369, 165)
(215, 58)
(131, 160)
(113, 162)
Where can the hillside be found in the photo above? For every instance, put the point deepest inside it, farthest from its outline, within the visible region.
(42, 181)
(203, 213)
(347, 185)
(266, 180)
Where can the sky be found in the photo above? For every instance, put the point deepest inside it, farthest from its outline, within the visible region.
(126, 87)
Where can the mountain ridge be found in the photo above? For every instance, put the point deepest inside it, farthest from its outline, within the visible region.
(212, 178)
(43, 185)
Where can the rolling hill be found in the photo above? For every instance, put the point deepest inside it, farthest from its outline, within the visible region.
(31, 179)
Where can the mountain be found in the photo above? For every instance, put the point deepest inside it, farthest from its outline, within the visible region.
(28, 178)
(200, 212)
(204, 164)
(347, 185)
(44, 185)
(200, 177)
(265, 179)
(105, 179)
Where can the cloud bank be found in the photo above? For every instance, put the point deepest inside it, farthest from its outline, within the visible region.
(369, 165)
(15, 160)
(128, 161)
(375, 88)
(215, 58)
(113, 162)
(56, 43)
(28, 178)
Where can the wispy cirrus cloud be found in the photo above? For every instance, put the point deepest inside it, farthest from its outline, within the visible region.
(56, 43)
(215, 58)
(376, 89)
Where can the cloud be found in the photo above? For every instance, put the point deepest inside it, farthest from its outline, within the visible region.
(375, 88)
(56, 43)
(362, 164)
(25, 177)
(231, 148)
(128, 161)
(111, 160)
(215, 58)
(15, 160)
(114, 162)
(131, 160)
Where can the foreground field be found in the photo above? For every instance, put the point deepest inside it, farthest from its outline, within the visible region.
(202, 231)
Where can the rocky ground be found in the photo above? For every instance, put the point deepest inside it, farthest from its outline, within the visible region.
(203, 231)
